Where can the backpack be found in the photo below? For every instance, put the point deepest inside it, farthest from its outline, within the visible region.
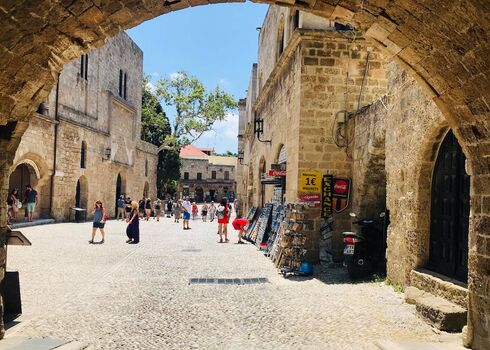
(220, 213)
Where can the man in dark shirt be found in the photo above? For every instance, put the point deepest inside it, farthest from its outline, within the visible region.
(128, 207)
(31, 200)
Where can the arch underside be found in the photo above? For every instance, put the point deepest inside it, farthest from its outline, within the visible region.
(443, 44)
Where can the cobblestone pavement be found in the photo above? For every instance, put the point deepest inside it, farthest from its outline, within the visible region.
(120, 296)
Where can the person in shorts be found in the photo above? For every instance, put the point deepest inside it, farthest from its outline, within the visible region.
(239, 224)
(204, 212)
(186, 208)
(99, 220)
(120, 208)
(31, 200)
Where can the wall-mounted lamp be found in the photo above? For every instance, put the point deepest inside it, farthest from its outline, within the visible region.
(107, 154)
(259, 128)
(241, 157)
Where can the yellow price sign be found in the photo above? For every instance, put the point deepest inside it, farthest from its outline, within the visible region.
(310, 181)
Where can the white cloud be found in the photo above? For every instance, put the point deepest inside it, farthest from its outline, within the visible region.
(175, 75)
(223, 82)
(223, 137)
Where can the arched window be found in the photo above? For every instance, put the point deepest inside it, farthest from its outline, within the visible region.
(83, 155)
(146, 167)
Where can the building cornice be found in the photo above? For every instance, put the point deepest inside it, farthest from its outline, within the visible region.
(122, 102)
(298, 36)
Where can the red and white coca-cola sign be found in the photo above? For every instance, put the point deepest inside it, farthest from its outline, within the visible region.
(340, 186)
(277, 172)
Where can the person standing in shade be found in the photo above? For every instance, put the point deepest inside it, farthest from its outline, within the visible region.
(128, 207)
(157, 206)
(31, 200)
(187, 208)
(133, 229)
(141, 207)
(120, 208)
(204, 212)
(212, 211)
(98, 221)
(148, 208)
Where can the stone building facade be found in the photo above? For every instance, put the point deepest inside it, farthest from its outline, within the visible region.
(205, 177)
(386, 134)
(84, 144)
(309, 73)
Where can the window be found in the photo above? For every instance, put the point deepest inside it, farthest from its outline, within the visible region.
(213, 174)
(84, 67)
(227, 175)
(123, 84)
(146, 167)
(83, 155)
(186, 176)
(296, 19)
(199, 176)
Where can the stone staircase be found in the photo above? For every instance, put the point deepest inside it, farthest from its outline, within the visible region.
(439, 301)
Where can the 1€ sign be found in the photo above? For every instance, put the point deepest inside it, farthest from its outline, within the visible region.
(310, 181)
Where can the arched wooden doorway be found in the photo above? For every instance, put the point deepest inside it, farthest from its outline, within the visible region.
(119, 190)
(450, 208)
(199, 194)
(81, 193)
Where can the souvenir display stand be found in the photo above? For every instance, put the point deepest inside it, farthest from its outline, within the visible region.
(282, 231)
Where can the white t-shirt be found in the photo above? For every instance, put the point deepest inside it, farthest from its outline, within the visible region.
(187, 206)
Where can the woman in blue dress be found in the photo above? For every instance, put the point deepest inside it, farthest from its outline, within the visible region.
(133, 229)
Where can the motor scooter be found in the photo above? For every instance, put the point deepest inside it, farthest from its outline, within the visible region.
(365, 250)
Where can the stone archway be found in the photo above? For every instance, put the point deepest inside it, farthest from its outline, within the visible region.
(443, 44)
(81, 193)
(31, 169)
(146, 189)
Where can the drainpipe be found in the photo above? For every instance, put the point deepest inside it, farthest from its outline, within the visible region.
(55, 148)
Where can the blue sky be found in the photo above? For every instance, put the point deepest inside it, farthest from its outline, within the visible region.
(216, 43)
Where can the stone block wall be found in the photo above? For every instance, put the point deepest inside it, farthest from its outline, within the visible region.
(332, 76)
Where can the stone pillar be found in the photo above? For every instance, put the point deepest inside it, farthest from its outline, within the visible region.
(10, 136)
(478, 332)
(5, 163)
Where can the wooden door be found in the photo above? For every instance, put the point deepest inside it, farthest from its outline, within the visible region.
(450, 207)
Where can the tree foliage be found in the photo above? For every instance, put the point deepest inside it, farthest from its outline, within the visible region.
(155, 128)
(226, 154)
(196, 109)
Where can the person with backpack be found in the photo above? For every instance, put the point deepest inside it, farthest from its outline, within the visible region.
(223, 213)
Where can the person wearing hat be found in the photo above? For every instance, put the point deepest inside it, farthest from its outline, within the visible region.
(120, 208)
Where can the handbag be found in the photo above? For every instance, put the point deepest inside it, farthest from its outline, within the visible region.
(18, 204)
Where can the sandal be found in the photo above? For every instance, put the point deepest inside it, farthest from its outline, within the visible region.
(91, 241)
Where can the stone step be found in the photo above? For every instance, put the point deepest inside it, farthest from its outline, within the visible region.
(33, 223)
(440, 285)
(437, 311)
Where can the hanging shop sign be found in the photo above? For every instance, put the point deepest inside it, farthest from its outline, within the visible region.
(340, 194)
(277, 173)
(281, 166)
(327, 206)
(310, 181)
(312, 199)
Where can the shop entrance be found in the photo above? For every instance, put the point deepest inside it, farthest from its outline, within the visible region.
(450, 208)
(22, 176)
(118, 190)
(199, 194)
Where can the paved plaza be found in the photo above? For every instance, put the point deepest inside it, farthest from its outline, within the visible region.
(120, 296)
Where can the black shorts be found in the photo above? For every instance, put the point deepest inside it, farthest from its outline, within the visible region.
(98, 225)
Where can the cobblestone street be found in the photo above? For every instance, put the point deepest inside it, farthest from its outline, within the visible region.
(120, 296)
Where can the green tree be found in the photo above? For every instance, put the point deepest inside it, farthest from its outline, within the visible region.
(196, 109)
(155, 128)
(226, 154)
